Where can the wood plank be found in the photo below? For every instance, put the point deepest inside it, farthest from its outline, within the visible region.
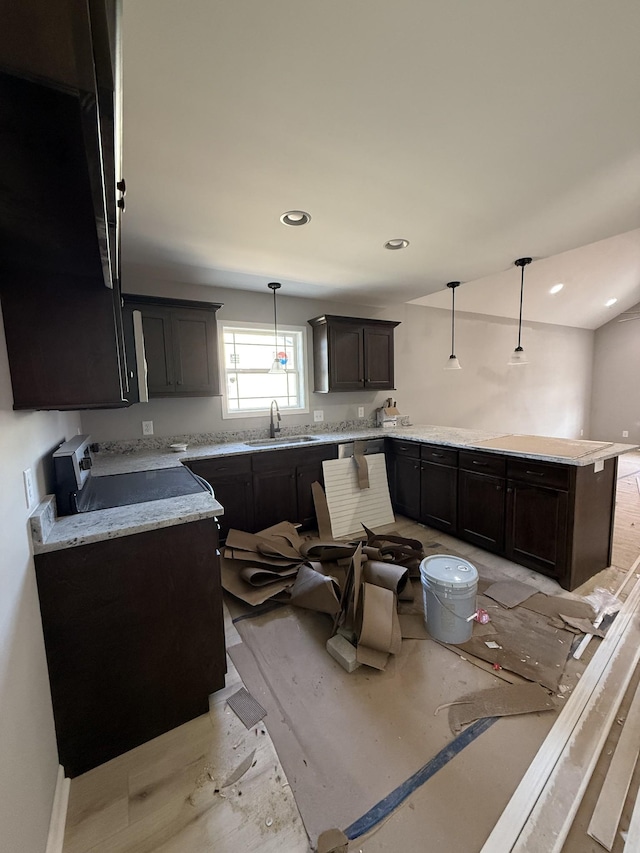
(606, 815)
(551, 819)
(509, 826)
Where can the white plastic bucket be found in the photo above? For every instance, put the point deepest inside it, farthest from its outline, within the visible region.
(449, 588)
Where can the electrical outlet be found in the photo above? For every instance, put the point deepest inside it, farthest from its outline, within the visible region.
(29, 491)
(625, 433)
(360, 411)
(147, 427)
(581, 433)
(318, 415)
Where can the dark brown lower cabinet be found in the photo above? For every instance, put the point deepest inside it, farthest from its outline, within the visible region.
(232, 483)
(481, 510)
(403, 469)
(134, 638)
(282, 484)
(536, 534)
(439, 496)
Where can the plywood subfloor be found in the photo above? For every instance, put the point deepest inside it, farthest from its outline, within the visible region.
(161, 797)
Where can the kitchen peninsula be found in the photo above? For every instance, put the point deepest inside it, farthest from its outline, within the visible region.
(544, 502)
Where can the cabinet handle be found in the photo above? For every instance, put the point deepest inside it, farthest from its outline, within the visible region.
(509, 489)
(121, 186)
(536, 473)
(121, 204)
(481, 464)
(437, 455)
(498, 487)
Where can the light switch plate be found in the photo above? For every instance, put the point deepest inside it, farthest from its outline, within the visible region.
(318, 415)
(147, 427)
(360, 411)
(625, 433)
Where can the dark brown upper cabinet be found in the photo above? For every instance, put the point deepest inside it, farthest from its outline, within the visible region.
(180, 345)
(60, 206)
(352, 354)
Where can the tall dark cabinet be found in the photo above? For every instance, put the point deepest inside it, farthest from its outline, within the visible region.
(61, 202)
(352, 354)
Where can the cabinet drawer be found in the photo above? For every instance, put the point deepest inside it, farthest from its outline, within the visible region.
(438, 454)
(482, 463)
(539, 473)
(221, 466)
(405, 448)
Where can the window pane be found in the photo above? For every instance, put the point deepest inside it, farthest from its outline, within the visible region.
(248, 357)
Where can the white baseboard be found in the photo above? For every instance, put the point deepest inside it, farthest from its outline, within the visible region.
(55, 839)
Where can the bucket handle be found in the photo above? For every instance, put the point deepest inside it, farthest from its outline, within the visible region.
(442, 604)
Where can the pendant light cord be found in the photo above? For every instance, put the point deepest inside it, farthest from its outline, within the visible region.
(453, 313)
(521, 297)
(275, 320)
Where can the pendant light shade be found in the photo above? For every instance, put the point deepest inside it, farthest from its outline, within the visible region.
(518, 355)
(452, 361)
(277, 366)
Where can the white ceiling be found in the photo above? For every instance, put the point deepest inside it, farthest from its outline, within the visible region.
(479, 131)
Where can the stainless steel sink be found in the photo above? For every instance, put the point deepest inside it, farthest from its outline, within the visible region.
(281, 439)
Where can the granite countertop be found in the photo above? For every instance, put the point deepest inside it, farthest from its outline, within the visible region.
(148, 459)
(51, 533)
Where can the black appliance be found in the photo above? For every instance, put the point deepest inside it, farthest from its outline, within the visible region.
(77, 491)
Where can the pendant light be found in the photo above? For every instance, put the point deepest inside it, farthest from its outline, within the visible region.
(277, 366)
(518, 355)
(452, 361)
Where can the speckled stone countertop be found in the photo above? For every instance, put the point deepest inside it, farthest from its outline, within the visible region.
(51, 533)
(148, 458)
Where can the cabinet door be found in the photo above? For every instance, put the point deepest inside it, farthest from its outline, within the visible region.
(481, 509)
(274, 497)
(438, 496)
(536, 534)
(195, 353)
(233, 488)
(158, 346)
(406, 480)
(346, 358)
(378, 357)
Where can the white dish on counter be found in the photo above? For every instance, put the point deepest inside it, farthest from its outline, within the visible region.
(178, 448)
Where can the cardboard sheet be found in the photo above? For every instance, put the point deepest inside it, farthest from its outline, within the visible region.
(234, 583)
(260, 576)
(387, 575)
(554, 605)
(361, 464)
(499, 702)
(545, 446)
(528, 645)
(510, 593)
(346, 740)
(315, 591)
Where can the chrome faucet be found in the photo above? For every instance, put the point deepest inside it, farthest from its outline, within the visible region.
(273, 427)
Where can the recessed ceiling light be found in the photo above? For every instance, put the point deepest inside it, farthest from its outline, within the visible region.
(556, 288)
(295, 217)
(610, 302)
(398, 243)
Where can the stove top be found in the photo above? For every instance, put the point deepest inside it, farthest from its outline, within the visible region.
(137, 487)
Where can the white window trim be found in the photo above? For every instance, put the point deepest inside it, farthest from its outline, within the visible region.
(303, 373)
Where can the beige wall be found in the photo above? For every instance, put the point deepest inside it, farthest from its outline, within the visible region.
(549, 396)
(616, 381)
(29, 763)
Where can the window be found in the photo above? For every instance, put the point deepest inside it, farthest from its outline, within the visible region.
(249, 350)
